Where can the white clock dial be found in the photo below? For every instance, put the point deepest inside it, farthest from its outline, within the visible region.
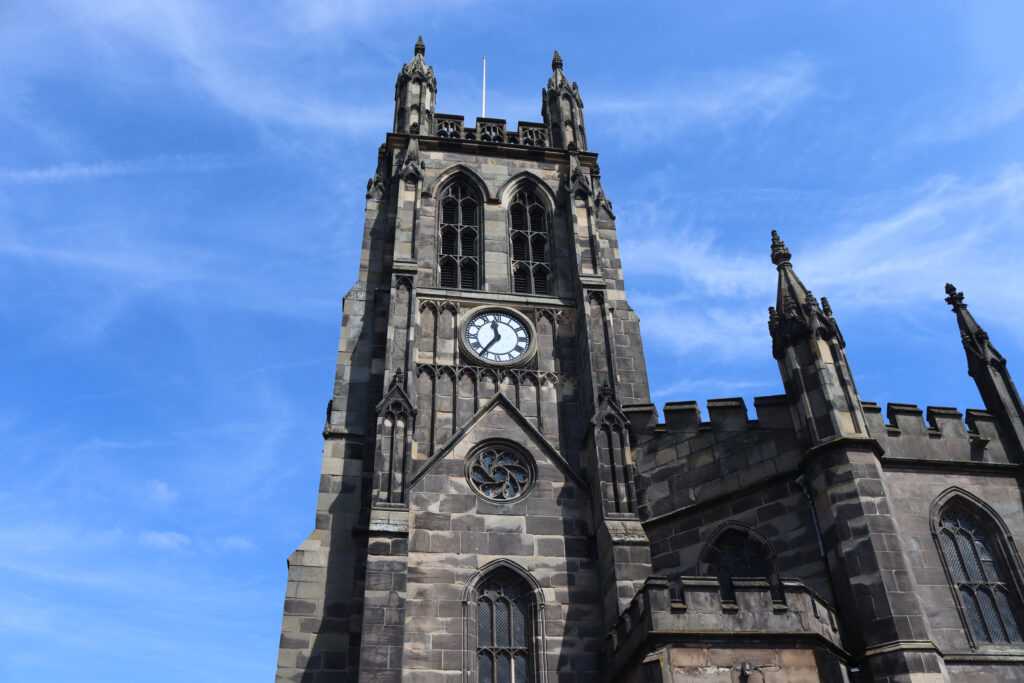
(498, 337)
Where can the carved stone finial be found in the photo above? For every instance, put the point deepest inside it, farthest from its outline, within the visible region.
(397, 379)
(954, 298)
(810, 300)
(605, 392)
(556, 61)
(825, 307)
(420, 47)
(780, 254)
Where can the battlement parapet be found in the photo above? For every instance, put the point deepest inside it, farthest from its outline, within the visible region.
(944, 436)
(687, 460)
(529, 134)
(724, 415)
(691, 608)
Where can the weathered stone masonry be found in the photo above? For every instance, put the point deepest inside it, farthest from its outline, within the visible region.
(819, 541)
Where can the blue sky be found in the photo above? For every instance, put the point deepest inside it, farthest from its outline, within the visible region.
(181, 193)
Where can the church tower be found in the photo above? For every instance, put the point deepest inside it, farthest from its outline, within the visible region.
(499, 503)
(477, 515)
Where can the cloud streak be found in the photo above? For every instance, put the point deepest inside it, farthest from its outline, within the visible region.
(71, 172)
(720, 99)
(891, 256)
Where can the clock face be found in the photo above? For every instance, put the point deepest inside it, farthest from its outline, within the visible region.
(498, 336)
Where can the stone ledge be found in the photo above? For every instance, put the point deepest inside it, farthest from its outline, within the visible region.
(690, 608)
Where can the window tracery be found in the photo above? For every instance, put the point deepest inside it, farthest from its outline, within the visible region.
(459, 226)
(500, 472)
(503, 630)
(980, 575)
(739, 554)
(529, 234)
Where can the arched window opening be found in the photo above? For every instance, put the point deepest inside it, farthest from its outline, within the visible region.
(521, 279)
(739, 554)
(450, 241)
(540, 280)
(528, 227)
(459, 231)
(537, 218)
(980, 574)
(449, 280)
(504, 629)
(517, 215)
(539, 248)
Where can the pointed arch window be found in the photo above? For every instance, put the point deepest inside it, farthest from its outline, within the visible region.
(737, 553)
(504, 617)
(972, 547)
(528, 227)
(459, 243)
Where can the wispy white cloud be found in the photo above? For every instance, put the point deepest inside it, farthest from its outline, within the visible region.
(160, 492)
(106, 169)
(164, 540)
(236, 61)
(897, 252)
(236, 543)
(968, 117)
(719, 99)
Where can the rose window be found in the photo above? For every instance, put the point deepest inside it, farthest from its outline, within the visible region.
(500, 473)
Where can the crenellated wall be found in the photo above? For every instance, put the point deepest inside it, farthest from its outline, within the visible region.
(790, 637)
(945, 436)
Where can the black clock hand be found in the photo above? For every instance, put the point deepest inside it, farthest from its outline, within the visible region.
(496, 337)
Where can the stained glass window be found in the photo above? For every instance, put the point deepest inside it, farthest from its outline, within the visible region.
(503, 631)
(980, 576)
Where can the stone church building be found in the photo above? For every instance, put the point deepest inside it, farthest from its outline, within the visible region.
(500, 502)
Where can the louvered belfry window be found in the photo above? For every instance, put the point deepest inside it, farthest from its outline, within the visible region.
(529, 230)
(980, 576)
(503, 631)
(459, 253)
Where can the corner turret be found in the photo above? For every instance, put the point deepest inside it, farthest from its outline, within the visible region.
(562, 109)
(415, 95)
(810, 350)
(988, 368)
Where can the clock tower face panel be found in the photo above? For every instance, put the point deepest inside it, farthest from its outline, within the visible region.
(498, 336)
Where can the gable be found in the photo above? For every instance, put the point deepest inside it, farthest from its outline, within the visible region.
(500, 419)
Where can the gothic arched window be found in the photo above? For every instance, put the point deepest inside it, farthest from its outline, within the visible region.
(980, 574)
(737, 553)
(459, 227)
(504, 625)
(529, 232)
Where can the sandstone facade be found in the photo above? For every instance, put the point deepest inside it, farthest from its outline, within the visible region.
(821, 541)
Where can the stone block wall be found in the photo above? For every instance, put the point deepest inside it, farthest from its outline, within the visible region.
(454, 534)
(914, 498)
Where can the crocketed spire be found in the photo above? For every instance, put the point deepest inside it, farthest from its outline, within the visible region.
(976, 341)
(562, 109)
(415, 93)
(988, 368)
(796, 314)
